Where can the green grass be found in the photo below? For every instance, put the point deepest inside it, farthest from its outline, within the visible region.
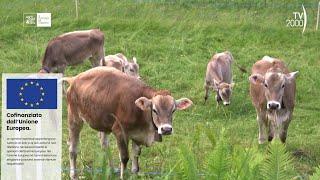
(173, 43)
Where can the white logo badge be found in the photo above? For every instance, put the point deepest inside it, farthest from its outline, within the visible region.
(299, 19)
(43, 19)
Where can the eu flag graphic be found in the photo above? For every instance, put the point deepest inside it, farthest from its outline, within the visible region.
(31, 93)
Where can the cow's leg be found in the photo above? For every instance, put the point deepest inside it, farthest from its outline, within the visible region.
(122, 143)
(136, 150)
(58, 65)
(271, 130)
(97, 57)
(218, 99)
(75, 126)
(103, 140)
(284, 129)
(262, 119)
(61, 68)
(94, 61)
(100, 55)
(206, 88)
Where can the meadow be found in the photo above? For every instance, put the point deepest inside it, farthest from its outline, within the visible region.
(173, 41)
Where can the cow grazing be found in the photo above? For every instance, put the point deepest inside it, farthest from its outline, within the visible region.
(120, 62)
(73, 48)
(272, 90)
(219, 77)
(111, 101)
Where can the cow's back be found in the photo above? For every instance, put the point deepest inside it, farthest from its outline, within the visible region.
(72, 48)
(262, 66)
(100, 94)
(220, 67)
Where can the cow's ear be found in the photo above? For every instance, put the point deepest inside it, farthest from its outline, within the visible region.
(292, 76)
(134, 60)
(256, 79)
(143, 103)
(183, 103)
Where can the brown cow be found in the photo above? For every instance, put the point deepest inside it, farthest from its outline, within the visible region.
(110, 101)
(120, 62)
(219, 77)
(272, 89)
(73, 48)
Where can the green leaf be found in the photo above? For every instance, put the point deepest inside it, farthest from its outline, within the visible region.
(188, 165)
(278, 165)
(219, 160)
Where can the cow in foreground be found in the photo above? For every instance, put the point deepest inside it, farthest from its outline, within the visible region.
(219, 77)
(272, 90)
(111, 101)
(120, 62)
(73, 48)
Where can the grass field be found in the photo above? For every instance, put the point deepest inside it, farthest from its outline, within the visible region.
(173, 43)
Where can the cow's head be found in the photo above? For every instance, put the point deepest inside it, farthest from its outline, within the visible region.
(274, 83)
(132, 68)
(224, 92)
(162, 108)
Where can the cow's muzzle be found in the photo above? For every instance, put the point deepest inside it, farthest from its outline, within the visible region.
(165, 129)
(226, 103)
(273, 105)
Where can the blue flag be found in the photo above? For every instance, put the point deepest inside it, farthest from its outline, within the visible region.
(31, 93)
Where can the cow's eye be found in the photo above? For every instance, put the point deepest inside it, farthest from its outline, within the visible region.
(265, 85)
(155, 111)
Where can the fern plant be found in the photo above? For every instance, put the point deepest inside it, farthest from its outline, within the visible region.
(236, 162)
(278, 165)
(219, 160)
(245, 163)
(187, 166)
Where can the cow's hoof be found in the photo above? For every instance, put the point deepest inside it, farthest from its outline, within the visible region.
(283, 140)
(262, 141)
(134, 170)
(270, 138)
(205, 100)
(105, 145)
(73, 177)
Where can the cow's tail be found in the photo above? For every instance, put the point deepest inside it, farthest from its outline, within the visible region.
(242, 69)
(65, 82)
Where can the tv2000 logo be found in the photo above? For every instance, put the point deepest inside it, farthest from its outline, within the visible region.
(299, 19)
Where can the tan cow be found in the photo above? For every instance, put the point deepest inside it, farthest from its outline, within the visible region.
(111, 101)
(73, 48)
(272, 90)
(120, 62)
(219, 77)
